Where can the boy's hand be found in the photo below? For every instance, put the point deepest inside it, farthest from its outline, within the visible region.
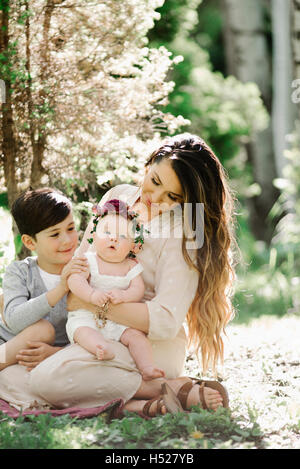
(77, 265)
(35, 354)
(98, 298)
(116, 296)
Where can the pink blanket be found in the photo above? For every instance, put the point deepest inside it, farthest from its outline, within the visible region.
(113, 408)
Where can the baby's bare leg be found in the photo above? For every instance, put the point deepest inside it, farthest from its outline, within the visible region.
(42, 330)
(141, 351)
(94, 342)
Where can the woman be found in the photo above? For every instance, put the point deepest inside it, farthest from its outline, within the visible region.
(184, 280)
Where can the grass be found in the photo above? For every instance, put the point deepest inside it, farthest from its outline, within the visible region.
(196, 430)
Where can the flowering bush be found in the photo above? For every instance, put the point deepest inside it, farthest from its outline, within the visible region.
(87, 93)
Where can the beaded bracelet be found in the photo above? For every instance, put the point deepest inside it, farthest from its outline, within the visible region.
(100, 315)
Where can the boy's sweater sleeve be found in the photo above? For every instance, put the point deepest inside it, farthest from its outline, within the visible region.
(20, 310)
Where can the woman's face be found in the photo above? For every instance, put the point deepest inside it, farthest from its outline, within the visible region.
(161, 189)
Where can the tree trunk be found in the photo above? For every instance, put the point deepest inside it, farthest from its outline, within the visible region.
(9, 146)
(284, 111)
(295, 28)
(38, 133)
(32, 126)
(248, 59)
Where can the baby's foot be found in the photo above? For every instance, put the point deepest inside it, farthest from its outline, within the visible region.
(150, 372)
(104, 352)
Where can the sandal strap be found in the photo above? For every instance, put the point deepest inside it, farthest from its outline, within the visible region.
(148, 404)
(217, 386)
(184, 392)
(201, 394)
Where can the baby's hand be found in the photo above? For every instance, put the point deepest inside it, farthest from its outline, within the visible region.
(98, 298)
(77, 265)
(116, 296)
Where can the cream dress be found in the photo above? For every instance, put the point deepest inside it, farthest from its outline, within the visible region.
(73, 376)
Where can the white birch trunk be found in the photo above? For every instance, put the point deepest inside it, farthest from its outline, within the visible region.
(248, 59)
(295, 30)
(283, 111)
(246, 45)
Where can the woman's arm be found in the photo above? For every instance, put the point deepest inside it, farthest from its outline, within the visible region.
(175, 287)
(133, 315)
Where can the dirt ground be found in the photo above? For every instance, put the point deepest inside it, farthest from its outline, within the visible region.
(262, 374)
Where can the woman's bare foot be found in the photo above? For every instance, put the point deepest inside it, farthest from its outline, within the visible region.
(104, 352)
(212, 398)
(155, 408)
(150, 372)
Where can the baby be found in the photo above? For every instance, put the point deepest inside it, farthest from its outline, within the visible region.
(114, 277)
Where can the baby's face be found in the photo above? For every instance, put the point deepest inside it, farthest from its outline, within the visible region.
(113, 238)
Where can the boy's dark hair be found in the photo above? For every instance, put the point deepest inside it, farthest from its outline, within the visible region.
(36, 210)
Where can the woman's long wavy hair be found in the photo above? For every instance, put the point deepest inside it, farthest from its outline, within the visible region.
(203, 180)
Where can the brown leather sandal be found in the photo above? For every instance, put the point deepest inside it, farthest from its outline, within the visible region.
(186, 388)
(167, 398)
(146, 409)
(170, 400)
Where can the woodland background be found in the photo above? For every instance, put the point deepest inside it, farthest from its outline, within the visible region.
(88, 89)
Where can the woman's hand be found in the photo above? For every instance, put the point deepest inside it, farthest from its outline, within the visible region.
(35, 354)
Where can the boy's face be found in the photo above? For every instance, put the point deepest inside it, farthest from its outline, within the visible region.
(113, 238)
(55, 245)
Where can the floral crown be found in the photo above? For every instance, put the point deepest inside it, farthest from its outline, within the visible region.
(118, 207)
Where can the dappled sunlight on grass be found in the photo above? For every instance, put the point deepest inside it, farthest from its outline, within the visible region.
(195, 430)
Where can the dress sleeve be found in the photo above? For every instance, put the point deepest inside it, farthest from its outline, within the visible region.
(175, 288)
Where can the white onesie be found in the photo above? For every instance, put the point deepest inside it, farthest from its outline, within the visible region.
(83, 317)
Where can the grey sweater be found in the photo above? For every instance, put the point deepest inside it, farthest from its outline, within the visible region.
(25, 302)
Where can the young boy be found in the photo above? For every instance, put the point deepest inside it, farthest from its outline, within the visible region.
(33, 321)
